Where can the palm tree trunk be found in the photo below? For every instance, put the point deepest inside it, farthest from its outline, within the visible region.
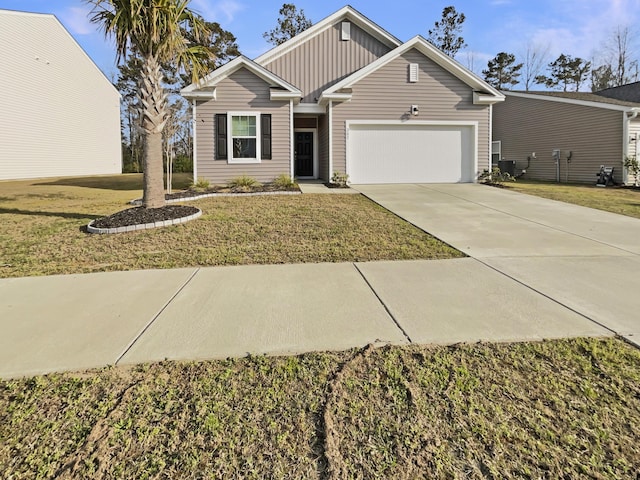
(153, 99)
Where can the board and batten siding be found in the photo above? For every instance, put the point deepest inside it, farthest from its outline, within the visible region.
(386, 94)
(59, 114)
(324, 60)
(592, 134)
(243, 91)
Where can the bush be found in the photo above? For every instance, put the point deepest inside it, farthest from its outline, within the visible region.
(495, 177)
(201, 184)
(243, 182)
(340, 179)
(284, 181)
(633, 166)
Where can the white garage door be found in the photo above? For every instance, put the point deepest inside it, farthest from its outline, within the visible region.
(410, 153)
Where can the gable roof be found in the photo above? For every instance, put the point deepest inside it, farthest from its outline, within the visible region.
(483, 92)
(629, 92)
(205, 88)
(345, 13)
(578, 98)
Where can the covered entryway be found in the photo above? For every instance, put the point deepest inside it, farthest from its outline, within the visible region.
(411, 152)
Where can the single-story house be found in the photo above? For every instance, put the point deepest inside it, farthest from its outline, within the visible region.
(59, 114)
(344, 96)
(565, 136)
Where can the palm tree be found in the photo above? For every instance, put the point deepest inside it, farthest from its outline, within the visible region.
(156, 29)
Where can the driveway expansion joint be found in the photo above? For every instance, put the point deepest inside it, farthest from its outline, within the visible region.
(524, 284)
(386, 308)
(155, 317)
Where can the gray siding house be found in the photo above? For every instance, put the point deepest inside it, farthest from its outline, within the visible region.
(344, 96)
(571, 133)
(59, 114)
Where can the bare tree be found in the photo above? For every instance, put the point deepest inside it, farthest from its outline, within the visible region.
(617, 64)
(536, 57)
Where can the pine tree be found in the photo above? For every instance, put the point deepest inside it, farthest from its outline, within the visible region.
(445, 34)
(502, 71)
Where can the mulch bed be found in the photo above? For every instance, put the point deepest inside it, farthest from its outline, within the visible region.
(193, 192)
(142, 216)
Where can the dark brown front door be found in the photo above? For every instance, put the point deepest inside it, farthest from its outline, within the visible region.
(304, 154)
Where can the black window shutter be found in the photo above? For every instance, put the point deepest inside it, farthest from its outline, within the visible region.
(221, 136)
(266, 136)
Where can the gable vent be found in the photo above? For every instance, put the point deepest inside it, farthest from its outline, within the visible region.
(345, 31)
(413, 72)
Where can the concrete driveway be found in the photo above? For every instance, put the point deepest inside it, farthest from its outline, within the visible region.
(586, 260)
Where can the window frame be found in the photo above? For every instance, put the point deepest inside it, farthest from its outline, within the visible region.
(496, 143)
(257, 137)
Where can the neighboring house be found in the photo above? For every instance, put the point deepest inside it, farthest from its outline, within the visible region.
(628, 93)
(571, 133)
(59, 115)
(344, 96)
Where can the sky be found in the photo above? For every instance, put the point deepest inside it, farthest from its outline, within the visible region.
(575, 27)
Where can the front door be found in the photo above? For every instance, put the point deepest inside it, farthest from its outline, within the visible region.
(304, 154)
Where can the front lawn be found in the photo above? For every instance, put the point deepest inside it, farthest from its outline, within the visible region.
(624, 201)
(41, 232)
(556, 409)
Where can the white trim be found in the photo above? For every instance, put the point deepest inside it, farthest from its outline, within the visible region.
(625, 145)
(435, 123)
(585, 103)
(336, 97)
(316, 164)
(345, 13)
(480, 98)
(330, 133)
(202, 95)
(291, 140)
(283, 95)
(490, 165)
(431, 52)
(312, 108)
(230, 159)
(195, 144)
(233, 66)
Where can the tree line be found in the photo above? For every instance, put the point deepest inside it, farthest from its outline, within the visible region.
(615, 65)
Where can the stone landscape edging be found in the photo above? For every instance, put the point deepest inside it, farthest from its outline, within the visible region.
(146, 226)
(224, 194)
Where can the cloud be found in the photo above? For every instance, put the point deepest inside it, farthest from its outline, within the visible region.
(76, 20)
(218, 11)
(500, 3)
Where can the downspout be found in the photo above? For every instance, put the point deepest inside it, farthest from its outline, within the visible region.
(489, 165)
(195, 148)
(291, 140)
(625, 142)
(330, 121)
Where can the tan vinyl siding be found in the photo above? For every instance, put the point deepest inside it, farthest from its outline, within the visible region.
(387, 95)
(59, 115)
(593, 135)
(323, 147)
(325, 59)
(243, 91)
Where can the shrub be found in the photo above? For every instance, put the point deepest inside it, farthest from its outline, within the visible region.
(633, 166)
(340, 179)
(284, 181)
(243, 182)
(201, 184)
(495, 177)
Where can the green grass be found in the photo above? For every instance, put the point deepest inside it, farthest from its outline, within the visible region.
(625, 201)
(41, 232)
(556, 409)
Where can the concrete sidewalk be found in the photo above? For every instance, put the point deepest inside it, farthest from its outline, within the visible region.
(74, 322)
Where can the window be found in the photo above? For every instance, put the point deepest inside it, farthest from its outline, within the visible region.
(496, 152)
(243, 137)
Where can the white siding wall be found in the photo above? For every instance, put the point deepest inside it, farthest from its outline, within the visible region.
(59, 115)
